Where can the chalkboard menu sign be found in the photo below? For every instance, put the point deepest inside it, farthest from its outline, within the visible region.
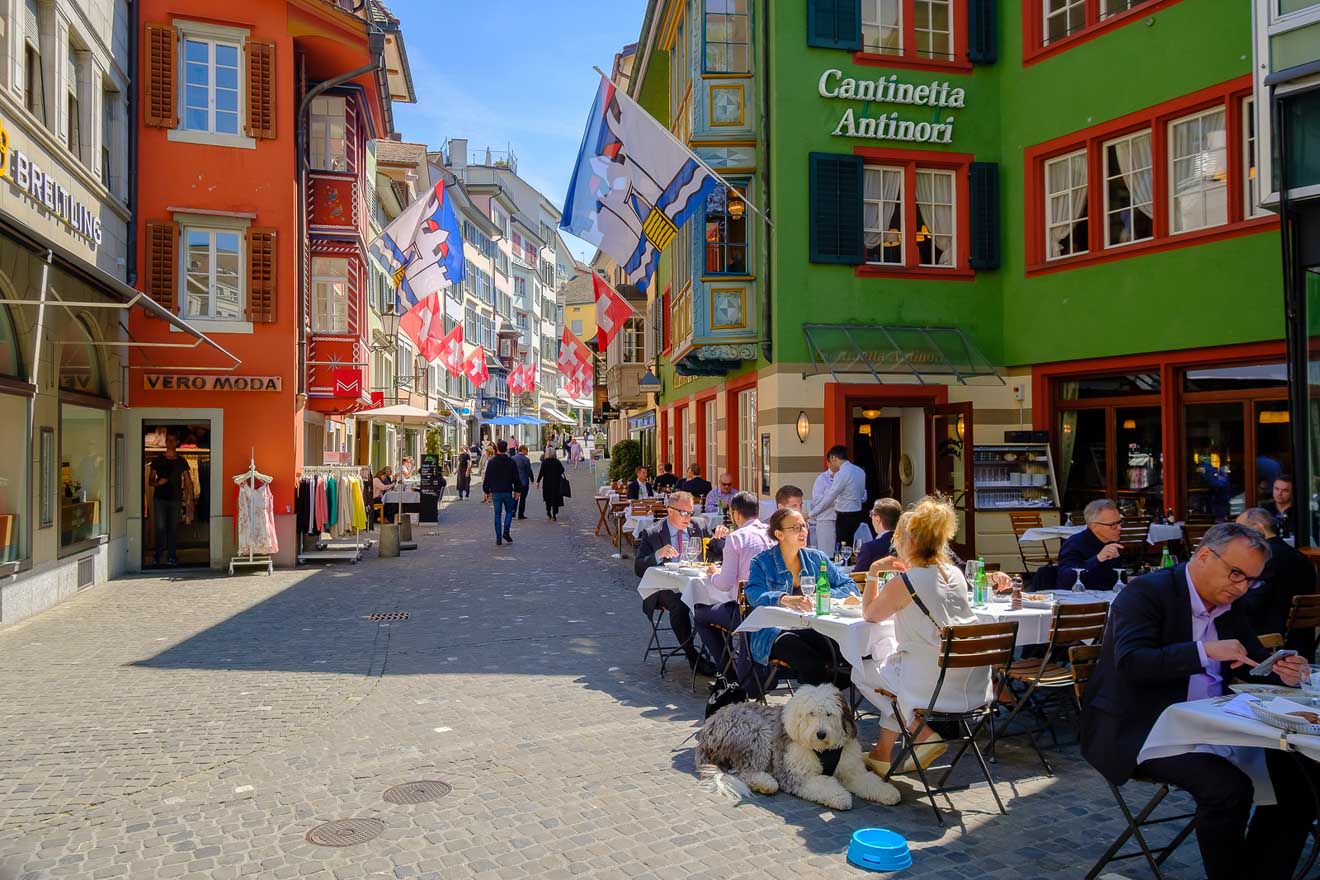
(431, 486)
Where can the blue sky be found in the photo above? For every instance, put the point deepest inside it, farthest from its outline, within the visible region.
(511, 73)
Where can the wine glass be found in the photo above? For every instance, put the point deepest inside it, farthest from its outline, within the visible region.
(1080, 585)
(856, 549)
(1120, 583)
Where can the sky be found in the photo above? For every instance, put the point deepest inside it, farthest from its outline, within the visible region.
(512, 74)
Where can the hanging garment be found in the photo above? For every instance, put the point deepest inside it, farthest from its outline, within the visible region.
(320, 506)
(256, 520)
(302, 506)
(346, 504)
(359, 507)
(331, 502)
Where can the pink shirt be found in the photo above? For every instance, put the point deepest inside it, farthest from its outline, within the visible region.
(1209, 683)
(739, 549)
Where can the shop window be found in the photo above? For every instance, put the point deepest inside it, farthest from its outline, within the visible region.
(1110, 449)
(1215, 459)
(1122, 385)
(83, 470)
(1129, 200)
(46, 471)
(726, 232)
(326, 132)
(14, 469)
(329, 295)
(212, 273)
(10, 358)
(1065, 199)
(80, 368)
(1198, 156)
(728, 36)
(210, 85)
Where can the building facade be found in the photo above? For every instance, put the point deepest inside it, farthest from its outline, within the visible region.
(971, 231)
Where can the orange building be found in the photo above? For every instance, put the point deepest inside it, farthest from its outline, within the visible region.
(254, 125)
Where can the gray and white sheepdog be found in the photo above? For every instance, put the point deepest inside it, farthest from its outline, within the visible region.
(808, 747)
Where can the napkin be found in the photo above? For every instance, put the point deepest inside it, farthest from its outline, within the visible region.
(1240, 705)
(1283, 706)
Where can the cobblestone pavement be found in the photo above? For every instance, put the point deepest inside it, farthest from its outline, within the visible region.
(199, 727)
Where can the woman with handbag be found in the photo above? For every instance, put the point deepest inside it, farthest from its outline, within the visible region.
(551, 480)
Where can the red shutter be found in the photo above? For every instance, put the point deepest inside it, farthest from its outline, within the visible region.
(160, 103)
(260, 89)
(261, 275)
(163, 263)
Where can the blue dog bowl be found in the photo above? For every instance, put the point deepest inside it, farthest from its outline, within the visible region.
(878, 849)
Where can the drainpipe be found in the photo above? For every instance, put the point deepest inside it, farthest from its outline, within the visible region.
(300, 145)
(1294, 330)
(130, 125)
(767, 342)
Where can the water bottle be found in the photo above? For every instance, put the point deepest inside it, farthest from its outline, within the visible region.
(980, 586)
(822, 592)
(1166, 559)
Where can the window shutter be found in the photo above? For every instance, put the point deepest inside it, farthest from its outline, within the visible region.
(835, 208)
(260, 89)
(159, 105)
(982, 33)
(163, 263)
(835, 24)
(984, 186)
(261, 275)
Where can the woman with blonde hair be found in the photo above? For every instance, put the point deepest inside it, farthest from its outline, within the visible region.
(929, 594)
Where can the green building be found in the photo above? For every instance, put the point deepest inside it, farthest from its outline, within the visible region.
(983, 217)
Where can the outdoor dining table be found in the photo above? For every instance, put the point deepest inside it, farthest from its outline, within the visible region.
(1034, 623)
(856, 638)
(603, 502)
(1158, 533)
(635, 525)
(692, 584)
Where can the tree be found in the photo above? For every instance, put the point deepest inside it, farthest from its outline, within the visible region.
(625, 459)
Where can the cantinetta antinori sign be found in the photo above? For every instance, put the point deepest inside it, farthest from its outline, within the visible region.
(889, 90)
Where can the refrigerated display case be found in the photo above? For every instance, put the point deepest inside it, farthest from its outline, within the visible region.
(1014, 476)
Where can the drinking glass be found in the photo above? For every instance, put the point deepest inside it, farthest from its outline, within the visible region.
(1120, 583)
(855, 550)
(1311, 684)
(1080, 585)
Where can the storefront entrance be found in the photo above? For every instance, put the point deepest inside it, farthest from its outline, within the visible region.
(193, 508)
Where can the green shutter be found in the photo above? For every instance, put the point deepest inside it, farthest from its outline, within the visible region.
(835, 220)
(983, 183)
(835, 24)
(982, 32)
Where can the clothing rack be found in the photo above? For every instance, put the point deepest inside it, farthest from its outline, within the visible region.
(251, 476)
(343, 549)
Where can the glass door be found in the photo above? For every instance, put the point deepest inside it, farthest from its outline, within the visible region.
(948, 452)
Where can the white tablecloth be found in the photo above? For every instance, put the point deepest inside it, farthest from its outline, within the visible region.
(1034, 623)
(855, 637)
(1157, 533)
(635, 525)
(1161, 532)
(694, 588)
(397, 497)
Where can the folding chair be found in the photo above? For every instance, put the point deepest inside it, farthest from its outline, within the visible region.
(658, 646)
(1083, 659)
(976, 646)
(729, 669)
(1071, 624)
(1030, 520)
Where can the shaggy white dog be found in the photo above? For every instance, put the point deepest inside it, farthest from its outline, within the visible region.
(807, 748)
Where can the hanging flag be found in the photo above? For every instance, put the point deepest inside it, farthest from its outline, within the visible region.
(574, 357)
(474, 366)
(451, 352)
(515, 380)
(529, 376)
(634, 185)
(611, 311)
(424, 324)
(422, 249)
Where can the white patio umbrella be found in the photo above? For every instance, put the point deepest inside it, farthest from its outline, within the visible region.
(400, 414)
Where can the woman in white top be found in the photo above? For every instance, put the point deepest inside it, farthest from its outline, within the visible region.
(921, 545)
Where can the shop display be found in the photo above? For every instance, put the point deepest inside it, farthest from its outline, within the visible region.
(1013, 476)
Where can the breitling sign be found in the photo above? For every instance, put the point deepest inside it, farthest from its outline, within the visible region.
(889, 90)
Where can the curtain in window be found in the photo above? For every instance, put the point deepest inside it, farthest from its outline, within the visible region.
(1065, 207)
(880, 25)
(1135, 154)
(883, 189)
(1067, 435)
(935, 199)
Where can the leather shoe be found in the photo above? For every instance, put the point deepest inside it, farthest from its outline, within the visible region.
(499, 542)
(508, 537)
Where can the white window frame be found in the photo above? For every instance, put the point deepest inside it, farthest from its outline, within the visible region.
(211, 33)
(930, 15)
(213, 224)
(211, 232)
(1074, 188)
(1066, 10)
(1251, 168)
(749, 471)
(319, 146)
(1109, 8)
(325, 316)
(871, 24)
(1112, 174)
(633, 341)
(952, 234)
(712, 450)
(1203, 189)
(880, 205)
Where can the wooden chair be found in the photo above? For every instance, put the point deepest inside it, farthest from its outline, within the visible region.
(1072, 623)
(1193, 532)
(1304, 613)
(985, 645)
(1271, 641)
(858, 577)
(1030, 520)
(1132, 535)
(1084, 659)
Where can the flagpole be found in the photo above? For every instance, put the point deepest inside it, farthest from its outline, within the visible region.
(700, 161)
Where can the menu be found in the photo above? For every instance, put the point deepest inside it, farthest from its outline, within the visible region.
(429, 474)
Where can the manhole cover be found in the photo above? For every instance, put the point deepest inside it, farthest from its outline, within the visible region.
(388, 615)
(345, 832)
(418, 792)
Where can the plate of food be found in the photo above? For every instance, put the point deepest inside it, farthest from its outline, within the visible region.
(673, 566)
(1265, 690)
(1289, 716)
(849, 606)
(1037, 600)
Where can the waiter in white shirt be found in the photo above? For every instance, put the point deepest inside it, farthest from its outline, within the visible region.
(846, 495)
(822, 513)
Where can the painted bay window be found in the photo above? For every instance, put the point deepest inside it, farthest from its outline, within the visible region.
(1052, 26)
(326, 133)
(211, 276)
(728, 37)
(329, 295)
(1178, 173)
(634, 341)
(726, 232)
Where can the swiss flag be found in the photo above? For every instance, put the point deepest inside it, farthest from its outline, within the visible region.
(451, 351)
(611, 311)
(574, 357)
(515, 380)
(474, 366)
(424, 324)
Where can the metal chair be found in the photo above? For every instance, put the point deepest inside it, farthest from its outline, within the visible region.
(1030, 520)
(1071, 624)
(985, 645)
(729, 669)
(1083, 659)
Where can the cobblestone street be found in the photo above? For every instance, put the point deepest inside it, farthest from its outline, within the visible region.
(200, 726)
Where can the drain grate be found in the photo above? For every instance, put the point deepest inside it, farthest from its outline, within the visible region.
(388, 615)
(345, 832)
(418, 792)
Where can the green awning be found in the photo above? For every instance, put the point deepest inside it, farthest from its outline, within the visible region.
(898, 354)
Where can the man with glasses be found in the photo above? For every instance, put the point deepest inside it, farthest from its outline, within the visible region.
(1095, 548)
(1180, 634)
(722, 495)
(666, 540)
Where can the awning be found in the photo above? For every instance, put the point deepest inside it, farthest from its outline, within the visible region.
(556, 416)
(514, 420)
(569, 399)
(905, 354)
(399, 414)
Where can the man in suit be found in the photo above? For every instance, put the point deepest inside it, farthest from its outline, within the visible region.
(667, 481)
(694, 485)
(640, 487)
(1176, 635)
(884, 516)
(1287, 574)
(667, 540)
(1095, 548)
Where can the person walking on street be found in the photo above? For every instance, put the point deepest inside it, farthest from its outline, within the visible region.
(550, 479)
(524, 465)
(168, 472)
(575, 452)
(464, 481)
(500, 485)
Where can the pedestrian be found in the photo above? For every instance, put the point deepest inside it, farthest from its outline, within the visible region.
(524, 465)
(575, 452)
(551, 480)
(486, 455)
(464, 480)
(168, 474)
(500, 484)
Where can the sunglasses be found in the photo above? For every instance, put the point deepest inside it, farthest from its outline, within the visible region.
(683, 513)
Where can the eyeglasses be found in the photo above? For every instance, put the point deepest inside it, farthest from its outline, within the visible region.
(687, 514)
(800, 527)
(1117, 522)
(725, 485)
(1237, 575)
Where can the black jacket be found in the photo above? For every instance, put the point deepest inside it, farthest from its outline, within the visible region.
(666, 483)
(1288, 574)
(697, 486)
(658, 536)
(1147, 658)
(501, 475)
(635, 490)
(1079, 552)
(1286, 523)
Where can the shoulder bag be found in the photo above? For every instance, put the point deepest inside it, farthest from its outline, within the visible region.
(921, 606)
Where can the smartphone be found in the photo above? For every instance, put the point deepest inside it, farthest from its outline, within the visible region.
(1268, 663)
